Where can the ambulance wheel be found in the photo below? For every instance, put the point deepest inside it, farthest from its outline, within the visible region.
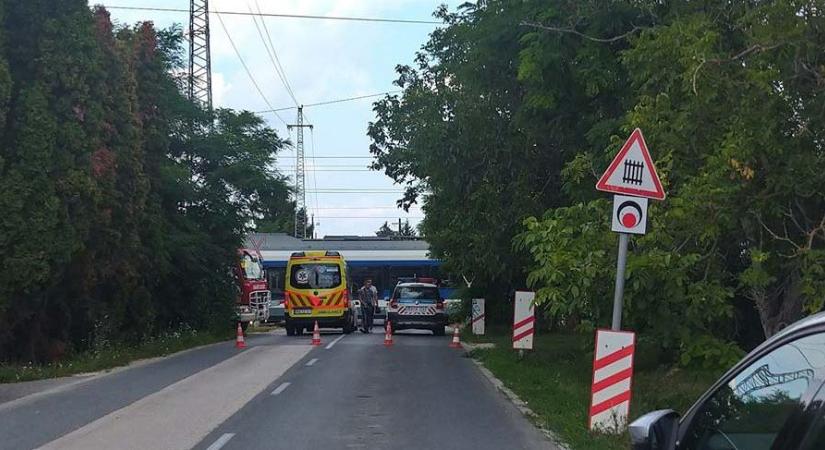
(351, 326)
(299, 331)
(290, 330)
(439, 331)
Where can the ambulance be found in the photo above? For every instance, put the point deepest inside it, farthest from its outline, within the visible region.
(317, 290)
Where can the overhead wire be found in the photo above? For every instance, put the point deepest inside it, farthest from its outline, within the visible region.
(270, 52)
(288, 16)
(330, 102)
(369, 217)
(246, 68)
(284, 78)
(314, 173)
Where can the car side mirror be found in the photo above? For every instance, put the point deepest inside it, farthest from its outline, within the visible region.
(655, 430)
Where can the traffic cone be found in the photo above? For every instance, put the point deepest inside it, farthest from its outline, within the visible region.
(388, 335)
(239, 342)
(456, 340)
(316, 335)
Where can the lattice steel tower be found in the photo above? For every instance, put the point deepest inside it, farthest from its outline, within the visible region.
(200, 63)
(300, 176)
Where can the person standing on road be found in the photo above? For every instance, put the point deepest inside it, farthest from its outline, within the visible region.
(368, 295)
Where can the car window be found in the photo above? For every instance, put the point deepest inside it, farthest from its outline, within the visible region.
(420, 294)
(315, 276)
(748, 412)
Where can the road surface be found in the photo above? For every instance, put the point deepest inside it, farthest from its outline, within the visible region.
(350, 393)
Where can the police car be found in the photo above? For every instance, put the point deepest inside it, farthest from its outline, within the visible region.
(417, 305)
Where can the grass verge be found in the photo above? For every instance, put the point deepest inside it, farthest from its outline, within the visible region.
(112, 356)
(555, 378)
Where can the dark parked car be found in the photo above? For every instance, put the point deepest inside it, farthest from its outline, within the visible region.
(771, 400)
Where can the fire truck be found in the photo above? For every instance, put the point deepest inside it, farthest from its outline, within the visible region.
(253, 299)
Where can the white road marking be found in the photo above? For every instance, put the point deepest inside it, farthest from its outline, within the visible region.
(280, 388)
(199, 403)
(85, 377)
(312, 361)
(329, 346)
(217, 445)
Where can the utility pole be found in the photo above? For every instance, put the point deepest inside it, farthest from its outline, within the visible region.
(199, 86)
(300, 184)
(399, 227)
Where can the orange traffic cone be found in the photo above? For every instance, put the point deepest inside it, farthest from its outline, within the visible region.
(456, 340)
(316, 335)
(388, 335)
(239, 342)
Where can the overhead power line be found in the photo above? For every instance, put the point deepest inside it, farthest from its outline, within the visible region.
(272, 53)
(368, 217)
(287, 16)
(363, 208)
(335, 157)
(246, 68)
(332, 170)
(330, 102)
(339, 191)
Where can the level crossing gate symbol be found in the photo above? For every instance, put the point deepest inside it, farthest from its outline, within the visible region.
(633, 171)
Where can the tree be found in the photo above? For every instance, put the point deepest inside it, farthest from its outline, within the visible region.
(513, 109)
(406, 231)
(488, 117)
(123, 203)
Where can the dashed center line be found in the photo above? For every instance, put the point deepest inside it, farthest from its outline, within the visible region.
(329, 346)
(280, 388)
(217, 445)
(312, 361)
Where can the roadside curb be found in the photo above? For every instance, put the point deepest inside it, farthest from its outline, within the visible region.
(520, 404)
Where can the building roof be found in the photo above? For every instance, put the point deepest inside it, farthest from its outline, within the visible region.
(285, 242)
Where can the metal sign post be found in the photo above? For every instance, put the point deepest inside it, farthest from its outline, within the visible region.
(632, 172)
(621, 263)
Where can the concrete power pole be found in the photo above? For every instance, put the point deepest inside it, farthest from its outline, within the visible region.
(199, 86)
(300, 184)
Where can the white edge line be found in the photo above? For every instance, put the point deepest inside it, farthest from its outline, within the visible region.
(312, 361)
(329, 346)
(280, 388)
(217, 445)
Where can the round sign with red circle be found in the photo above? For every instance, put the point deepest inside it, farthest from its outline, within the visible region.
(629, 214)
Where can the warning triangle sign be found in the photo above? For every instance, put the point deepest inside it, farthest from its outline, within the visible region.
(632, 171)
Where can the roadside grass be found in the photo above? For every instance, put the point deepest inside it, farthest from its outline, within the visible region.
(554, 380)
(114, 355)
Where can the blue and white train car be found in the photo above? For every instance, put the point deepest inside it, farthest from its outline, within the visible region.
(382, 260)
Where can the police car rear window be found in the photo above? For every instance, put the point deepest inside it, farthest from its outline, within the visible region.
(315, 276)
(411, 294)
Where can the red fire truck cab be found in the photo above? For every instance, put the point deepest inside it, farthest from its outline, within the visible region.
(253, 299)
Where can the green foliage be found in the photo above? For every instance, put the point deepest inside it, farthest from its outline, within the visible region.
(514, 108)
(707, 352)
(122, 203)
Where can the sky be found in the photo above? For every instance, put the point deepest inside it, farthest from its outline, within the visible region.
(323, 60)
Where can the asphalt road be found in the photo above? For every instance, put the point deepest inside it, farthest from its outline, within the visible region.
(352, 392)
(418, 394)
